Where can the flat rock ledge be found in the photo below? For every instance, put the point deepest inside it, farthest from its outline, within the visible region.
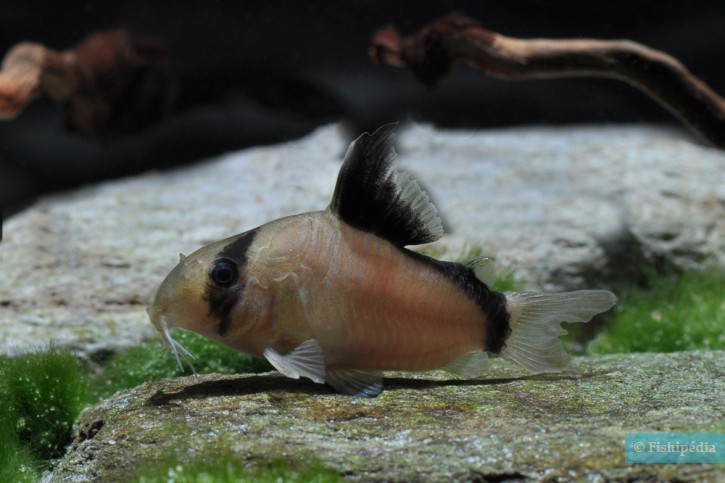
(508, 426)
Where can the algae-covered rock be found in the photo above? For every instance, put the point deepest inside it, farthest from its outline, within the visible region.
(506, 426)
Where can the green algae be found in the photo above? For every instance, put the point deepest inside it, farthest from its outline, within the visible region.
(152, 361)
(42, 393)
(671, 313)
(226, 468)
(17, 463)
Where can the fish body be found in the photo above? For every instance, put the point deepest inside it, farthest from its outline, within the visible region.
(336, 297)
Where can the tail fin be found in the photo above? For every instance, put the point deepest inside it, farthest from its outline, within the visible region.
(535, 317)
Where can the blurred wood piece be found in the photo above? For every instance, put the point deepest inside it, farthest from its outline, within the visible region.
(112, 83)
(431, 54)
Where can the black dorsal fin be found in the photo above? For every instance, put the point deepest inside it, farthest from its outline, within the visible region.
(373, 196)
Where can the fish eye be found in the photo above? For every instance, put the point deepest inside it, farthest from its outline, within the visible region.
(224, 273)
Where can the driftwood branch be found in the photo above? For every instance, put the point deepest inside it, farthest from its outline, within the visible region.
(432, 53)
(112, 83)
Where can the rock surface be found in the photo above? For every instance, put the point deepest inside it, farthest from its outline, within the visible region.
(564, 207)
(507, 426)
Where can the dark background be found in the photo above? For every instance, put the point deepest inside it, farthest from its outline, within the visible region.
(263, 72)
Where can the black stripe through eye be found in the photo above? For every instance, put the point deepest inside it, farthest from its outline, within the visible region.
(224, 273)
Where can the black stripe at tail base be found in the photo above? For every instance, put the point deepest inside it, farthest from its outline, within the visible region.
(499, 322)
(493, 304)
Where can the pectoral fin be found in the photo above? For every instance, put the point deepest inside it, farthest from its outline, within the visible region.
(355, 382)
(305, 360)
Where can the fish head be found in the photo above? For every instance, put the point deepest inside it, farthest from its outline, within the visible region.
(201, 291)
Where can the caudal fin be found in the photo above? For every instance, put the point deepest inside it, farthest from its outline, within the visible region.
(535, 325)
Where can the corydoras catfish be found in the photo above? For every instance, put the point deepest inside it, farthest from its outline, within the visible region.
(336, 297)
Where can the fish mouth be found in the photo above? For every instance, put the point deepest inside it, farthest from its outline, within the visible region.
(162, 327)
